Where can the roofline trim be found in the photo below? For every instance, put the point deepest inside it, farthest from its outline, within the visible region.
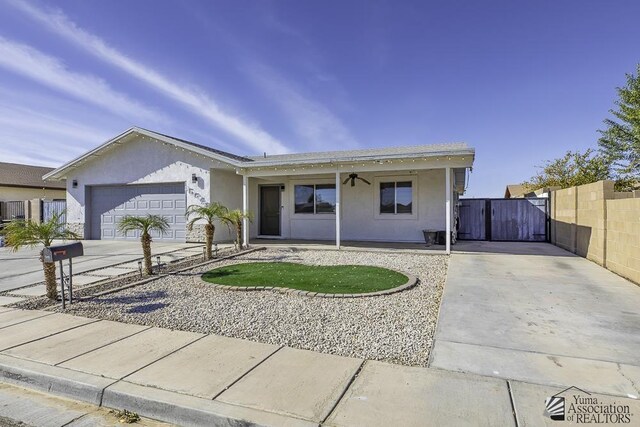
(262, 163)
(54, 174)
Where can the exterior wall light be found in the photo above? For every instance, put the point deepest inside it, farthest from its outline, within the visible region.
(194, 178)
(74, 183)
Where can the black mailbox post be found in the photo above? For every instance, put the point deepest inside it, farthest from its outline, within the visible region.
(60, 253)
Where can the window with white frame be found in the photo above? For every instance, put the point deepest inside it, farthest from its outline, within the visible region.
(315, 199)
(396, 197)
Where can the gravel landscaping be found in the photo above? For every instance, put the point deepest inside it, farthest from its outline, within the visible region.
(396, 328)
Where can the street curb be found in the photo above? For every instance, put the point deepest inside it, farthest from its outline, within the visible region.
(53, 379)
(185, 410)
(150, 402)
(411, 282)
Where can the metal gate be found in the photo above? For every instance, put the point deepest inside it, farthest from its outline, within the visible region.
(13, 210)
(53, 207)
(509, 220)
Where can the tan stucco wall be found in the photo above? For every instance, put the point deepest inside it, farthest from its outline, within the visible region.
(14, 194)
(595, 222)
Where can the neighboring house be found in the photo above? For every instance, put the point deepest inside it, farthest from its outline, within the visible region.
(517, 191)
(22, 185)
(293, 196)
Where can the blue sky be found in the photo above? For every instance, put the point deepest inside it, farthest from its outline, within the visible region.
(521, 82)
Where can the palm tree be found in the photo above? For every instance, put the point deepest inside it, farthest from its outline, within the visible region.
(235, 219)
(21, 233)
(210, 213)
(144, 224)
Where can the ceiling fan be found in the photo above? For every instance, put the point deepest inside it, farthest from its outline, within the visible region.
(353, 177)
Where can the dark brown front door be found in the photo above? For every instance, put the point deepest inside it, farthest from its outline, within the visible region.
(270, 210)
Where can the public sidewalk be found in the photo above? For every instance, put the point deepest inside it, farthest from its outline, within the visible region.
(193, 379)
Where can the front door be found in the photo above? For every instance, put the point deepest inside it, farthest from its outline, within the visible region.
(270, 210)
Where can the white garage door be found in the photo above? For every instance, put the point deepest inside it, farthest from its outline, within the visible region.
(111, 203)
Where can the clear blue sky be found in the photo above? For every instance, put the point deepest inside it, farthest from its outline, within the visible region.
(521, 82)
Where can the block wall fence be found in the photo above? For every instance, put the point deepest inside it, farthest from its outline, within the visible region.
(600, 224)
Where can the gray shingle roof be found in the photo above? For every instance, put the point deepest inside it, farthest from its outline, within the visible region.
(410, 151)
(203, 147)
(406, 152)
(17, 175)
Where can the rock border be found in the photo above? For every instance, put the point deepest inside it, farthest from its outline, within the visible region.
(411, 282)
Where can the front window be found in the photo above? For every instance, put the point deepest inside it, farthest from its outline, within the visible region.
(396, 197)
(315, 199)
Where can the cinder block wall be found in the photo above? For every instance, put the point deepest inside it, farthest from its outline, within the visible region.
(595, 222)
(563, 218)
(623, 237)
(591, 220)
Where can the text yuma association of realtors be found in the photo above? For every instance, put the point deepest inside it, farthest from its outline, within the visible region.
(589, 410)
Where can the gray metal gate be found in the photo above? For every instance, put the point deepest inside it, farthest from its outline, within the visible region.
(13, 210)
(48, 208)
(514, 220)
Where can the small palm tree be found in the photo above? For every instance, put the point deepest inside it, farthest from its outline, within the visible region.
(234, 219)
(21, 233)
(144, 224)
(210, 213)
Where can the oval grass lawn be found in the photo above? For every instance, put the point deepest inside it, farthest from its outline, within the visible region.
(334, 279)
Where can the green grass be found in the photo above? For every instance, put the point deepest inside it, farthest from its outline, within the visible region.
(339, 279)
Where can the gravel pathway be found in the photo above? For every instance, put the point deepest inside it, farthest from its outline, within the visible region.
(396, 328)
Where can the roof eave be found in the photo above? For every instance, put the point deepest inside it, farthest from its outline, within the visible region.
(259, 163)
(56, 173)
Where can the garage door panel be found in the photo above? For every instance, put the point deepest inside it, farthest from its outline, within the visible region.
(110, 204)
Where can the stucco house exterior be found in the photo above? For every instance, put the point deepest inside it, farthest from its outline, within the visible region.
(21, 184)
(395, 194)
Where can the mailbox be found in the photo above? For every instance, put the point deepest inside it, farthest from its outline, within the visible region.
(62, 252)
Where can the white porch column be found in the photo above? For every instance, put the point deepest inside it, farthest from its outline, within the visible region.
(338, 185)
(447, 184)
(245, 210)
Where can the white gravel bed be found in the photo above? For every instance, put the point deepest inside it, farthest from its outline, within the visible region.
(396, 328)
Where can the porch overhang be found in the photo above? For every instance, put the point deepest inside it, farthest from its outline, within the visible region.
(332, 166)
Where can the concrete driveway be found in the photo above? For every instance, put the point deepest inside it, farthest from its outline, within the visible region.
(537, 313)
(23, 268)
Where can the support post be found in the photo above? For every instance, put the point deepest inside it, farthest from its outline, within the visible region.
(70, 280)
(245, 210)
(448, 209)
(338, 185)
(62, 285)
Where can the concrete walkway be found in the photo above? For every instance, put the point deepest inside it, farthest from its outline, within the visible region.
(23, 268)
(537, 313)
(192, 379)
